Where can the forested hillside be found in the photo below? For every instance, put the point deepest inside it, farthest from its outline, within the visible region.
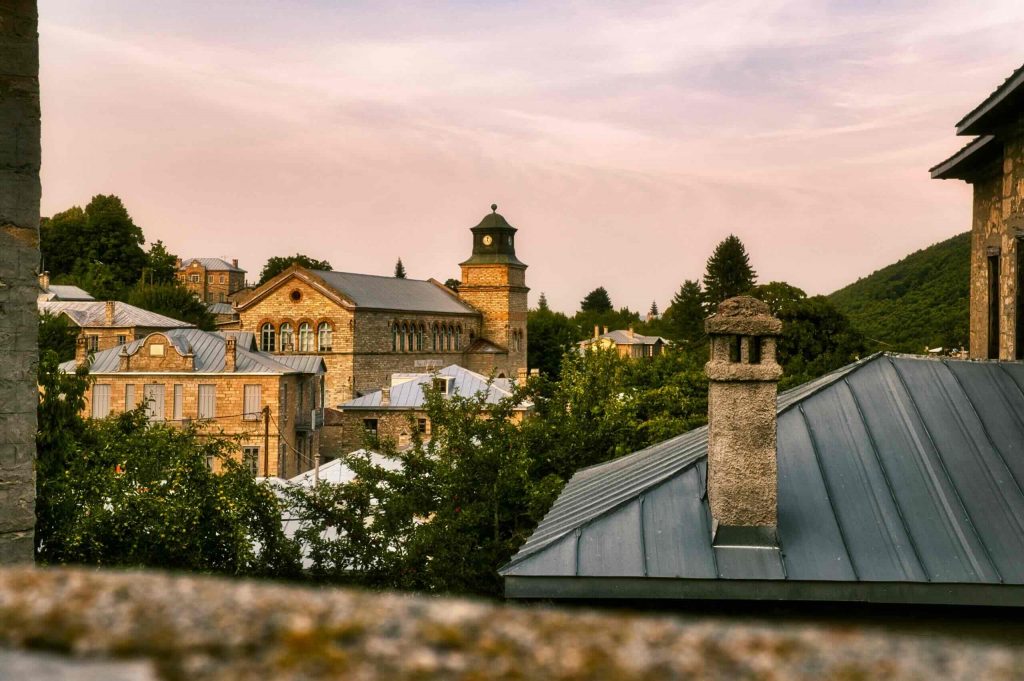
(922, 300)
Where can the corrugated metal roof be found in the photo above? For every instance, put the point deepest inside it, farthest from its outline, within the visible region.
(212, 264)
(89, 314)
(894, 469)
(220, 308)
(208, 351)
(409, 393)
(392, 293)
(66, 292)
(624, 337)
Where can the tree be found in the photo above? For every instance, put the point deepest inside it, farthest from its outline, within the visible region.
(728, 272)
(278, 264)
(125, 492)
(542, 303)
(684, 319)
(94, 277)
(597, 300)
(453, 284)
(175, 301)
(57, 335)
(101, 234)
(161, 265)
(653, 312)
(551, 335)
(399, 270)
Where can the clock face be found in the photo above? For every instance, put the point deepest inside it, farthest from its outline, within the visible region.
(488, 240)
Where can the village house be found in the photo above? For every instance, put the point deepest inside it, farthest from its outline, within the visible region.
(626, 342)
(54, 292)
(108, 324)
(397, 410)
(368, 327)
(993, 163)
(273, 404)
(212, 280)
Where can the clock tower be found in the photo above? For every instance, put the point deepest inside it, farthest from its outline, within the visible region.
(494, 282)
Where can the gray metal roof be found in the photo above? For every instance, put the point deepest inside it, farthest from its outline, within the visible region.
(66, 292)
(220, 308)
(893, 470)
(208, 349)
(409, 393)
(89, 314)
(624, 337)
(211, 264)
(392, 293)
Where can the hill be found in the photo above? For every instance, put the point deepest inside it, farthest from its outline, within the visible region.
(922, 300)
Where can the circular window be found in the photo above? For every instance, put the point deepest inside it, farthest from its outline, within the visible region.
(296, 295)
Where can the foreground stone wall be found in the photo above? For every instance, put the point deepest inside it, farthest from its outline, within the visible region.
(19, 285)
(148, 625)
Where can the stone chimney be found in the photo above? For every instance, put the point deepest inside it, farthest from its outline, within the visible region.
(230, 353)
(742, 468)
(605, 329)
(44, 281)
(109, 311)
(597, 331)
(234, 262)
(631, 332)
(177, 263)
(522, 373)
(385, 396)
(80, 352)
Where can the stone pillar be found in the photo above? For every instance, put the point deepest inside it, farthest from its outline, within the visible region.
(742, 469)
(19, 284)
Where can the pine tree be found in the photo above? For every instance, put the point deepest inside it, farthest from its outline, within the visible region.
(728, 272)
(542, 303)
(653, 312)
(597, 300)
(399, 269)
(685, 316)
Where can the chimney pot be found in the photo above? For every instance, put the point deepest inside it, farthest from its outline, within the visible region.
(743, 382)
(230, 354)
(597, 331)
(385, 396)
(109, 312)
(44, 281)
(605, 329)
(234, 262)
(80, 353)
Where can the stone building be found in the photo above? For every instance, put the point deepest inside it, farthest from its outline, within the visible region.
(993, 163)
(394, 411)
(213, 280)
(108, 324)
(626, 342)
(369, 327)
(59, 292)
(273, 404)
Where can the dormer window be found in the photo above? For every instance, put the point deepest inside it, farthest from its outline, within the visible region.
(441, 384)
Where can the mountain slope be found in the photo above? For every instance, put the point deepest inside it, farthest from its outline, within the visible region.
(920, 301)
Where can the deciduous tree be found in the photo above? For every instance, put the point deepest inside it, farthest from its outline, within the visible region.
(278, 264)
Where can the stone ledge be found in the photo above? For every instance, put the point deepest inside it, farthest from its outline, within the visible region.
(209, 628)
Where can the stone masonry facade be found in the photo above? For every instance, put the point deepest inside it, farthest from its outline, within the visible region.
(211, 285)
(19, 284)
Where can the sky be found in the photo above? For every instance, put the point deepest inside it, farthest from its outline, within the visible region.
(623, 139)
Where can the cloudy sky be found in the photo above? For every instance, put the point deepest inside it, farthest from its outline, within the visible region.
(623, 139)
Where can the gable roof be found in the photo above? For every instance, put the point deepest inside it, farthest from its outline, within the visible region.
(391, 293)
(65, 292)
(409, 393)
(208, 350)
(624, 337)
(88, 314)
(211, 264)
(896, 470)
(985, 117)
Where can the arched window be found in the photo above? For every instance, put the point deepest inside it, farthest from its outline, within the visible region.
(420, 333)
(394, 336)
(267, 338)
(287, 338)
(410, 335)
(447, 338)
(324, 337)
(305, 337)
(458, 337)
(401, 337)
(436, 342)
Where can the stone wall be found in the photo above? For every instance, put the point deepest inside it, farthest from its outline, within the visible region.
(500, 293)
(19, 283)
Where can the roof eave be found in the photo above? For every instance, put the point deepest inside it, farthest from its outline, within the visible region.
(983, 118)
(965, 164)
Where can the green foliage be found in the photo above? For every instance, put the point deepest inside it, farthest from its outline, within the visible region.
(172, 300)
(921, 301)
(161, 265)
(551, 335)
(453, 284)
(654, 309)
(597, 301)
(124, 492)
(728, 272)
(684, 319)
(95, 278)
(278, 264)
(58, 335)
(76, 241)
(399, 270)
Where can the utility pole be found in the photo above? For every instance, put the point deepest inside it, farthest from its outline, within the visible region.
(266, 441)
(316, 457)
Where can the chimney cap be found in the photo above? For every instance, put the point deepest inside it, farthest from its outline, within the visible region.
(744, 316)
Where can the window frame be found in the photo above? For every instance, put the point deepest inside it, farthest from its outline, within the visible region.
(268, 329)
(100, 396)
(324, 329)
(211, 390)
(252, 393)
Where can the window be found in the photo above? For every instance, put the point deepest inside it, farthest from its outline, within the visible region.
(92, 343)
(251, 459)
(178, 404)
(370, 425)
(410, 334)
(223, 280)
(129, 397)
(421, 332)
(323, 337)
(209, 279)
(440, 384)
(267, 339)
(421, 426)
(436, 340)
(100, 401)
(121, 340)
(207, 408)
(209, 462)
(305, 337)
(221, 296)
(251, 399)
(287, 338)
(458, 337)
(448, 338)
(194, 278)
(153, 394)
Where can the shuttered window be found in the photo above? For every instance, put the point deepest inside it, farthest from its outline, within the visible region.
(100, 401)
(251, 403)
(207, 401)
(129, 397)
(153, 393)
(179, 398)
(251, 460)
